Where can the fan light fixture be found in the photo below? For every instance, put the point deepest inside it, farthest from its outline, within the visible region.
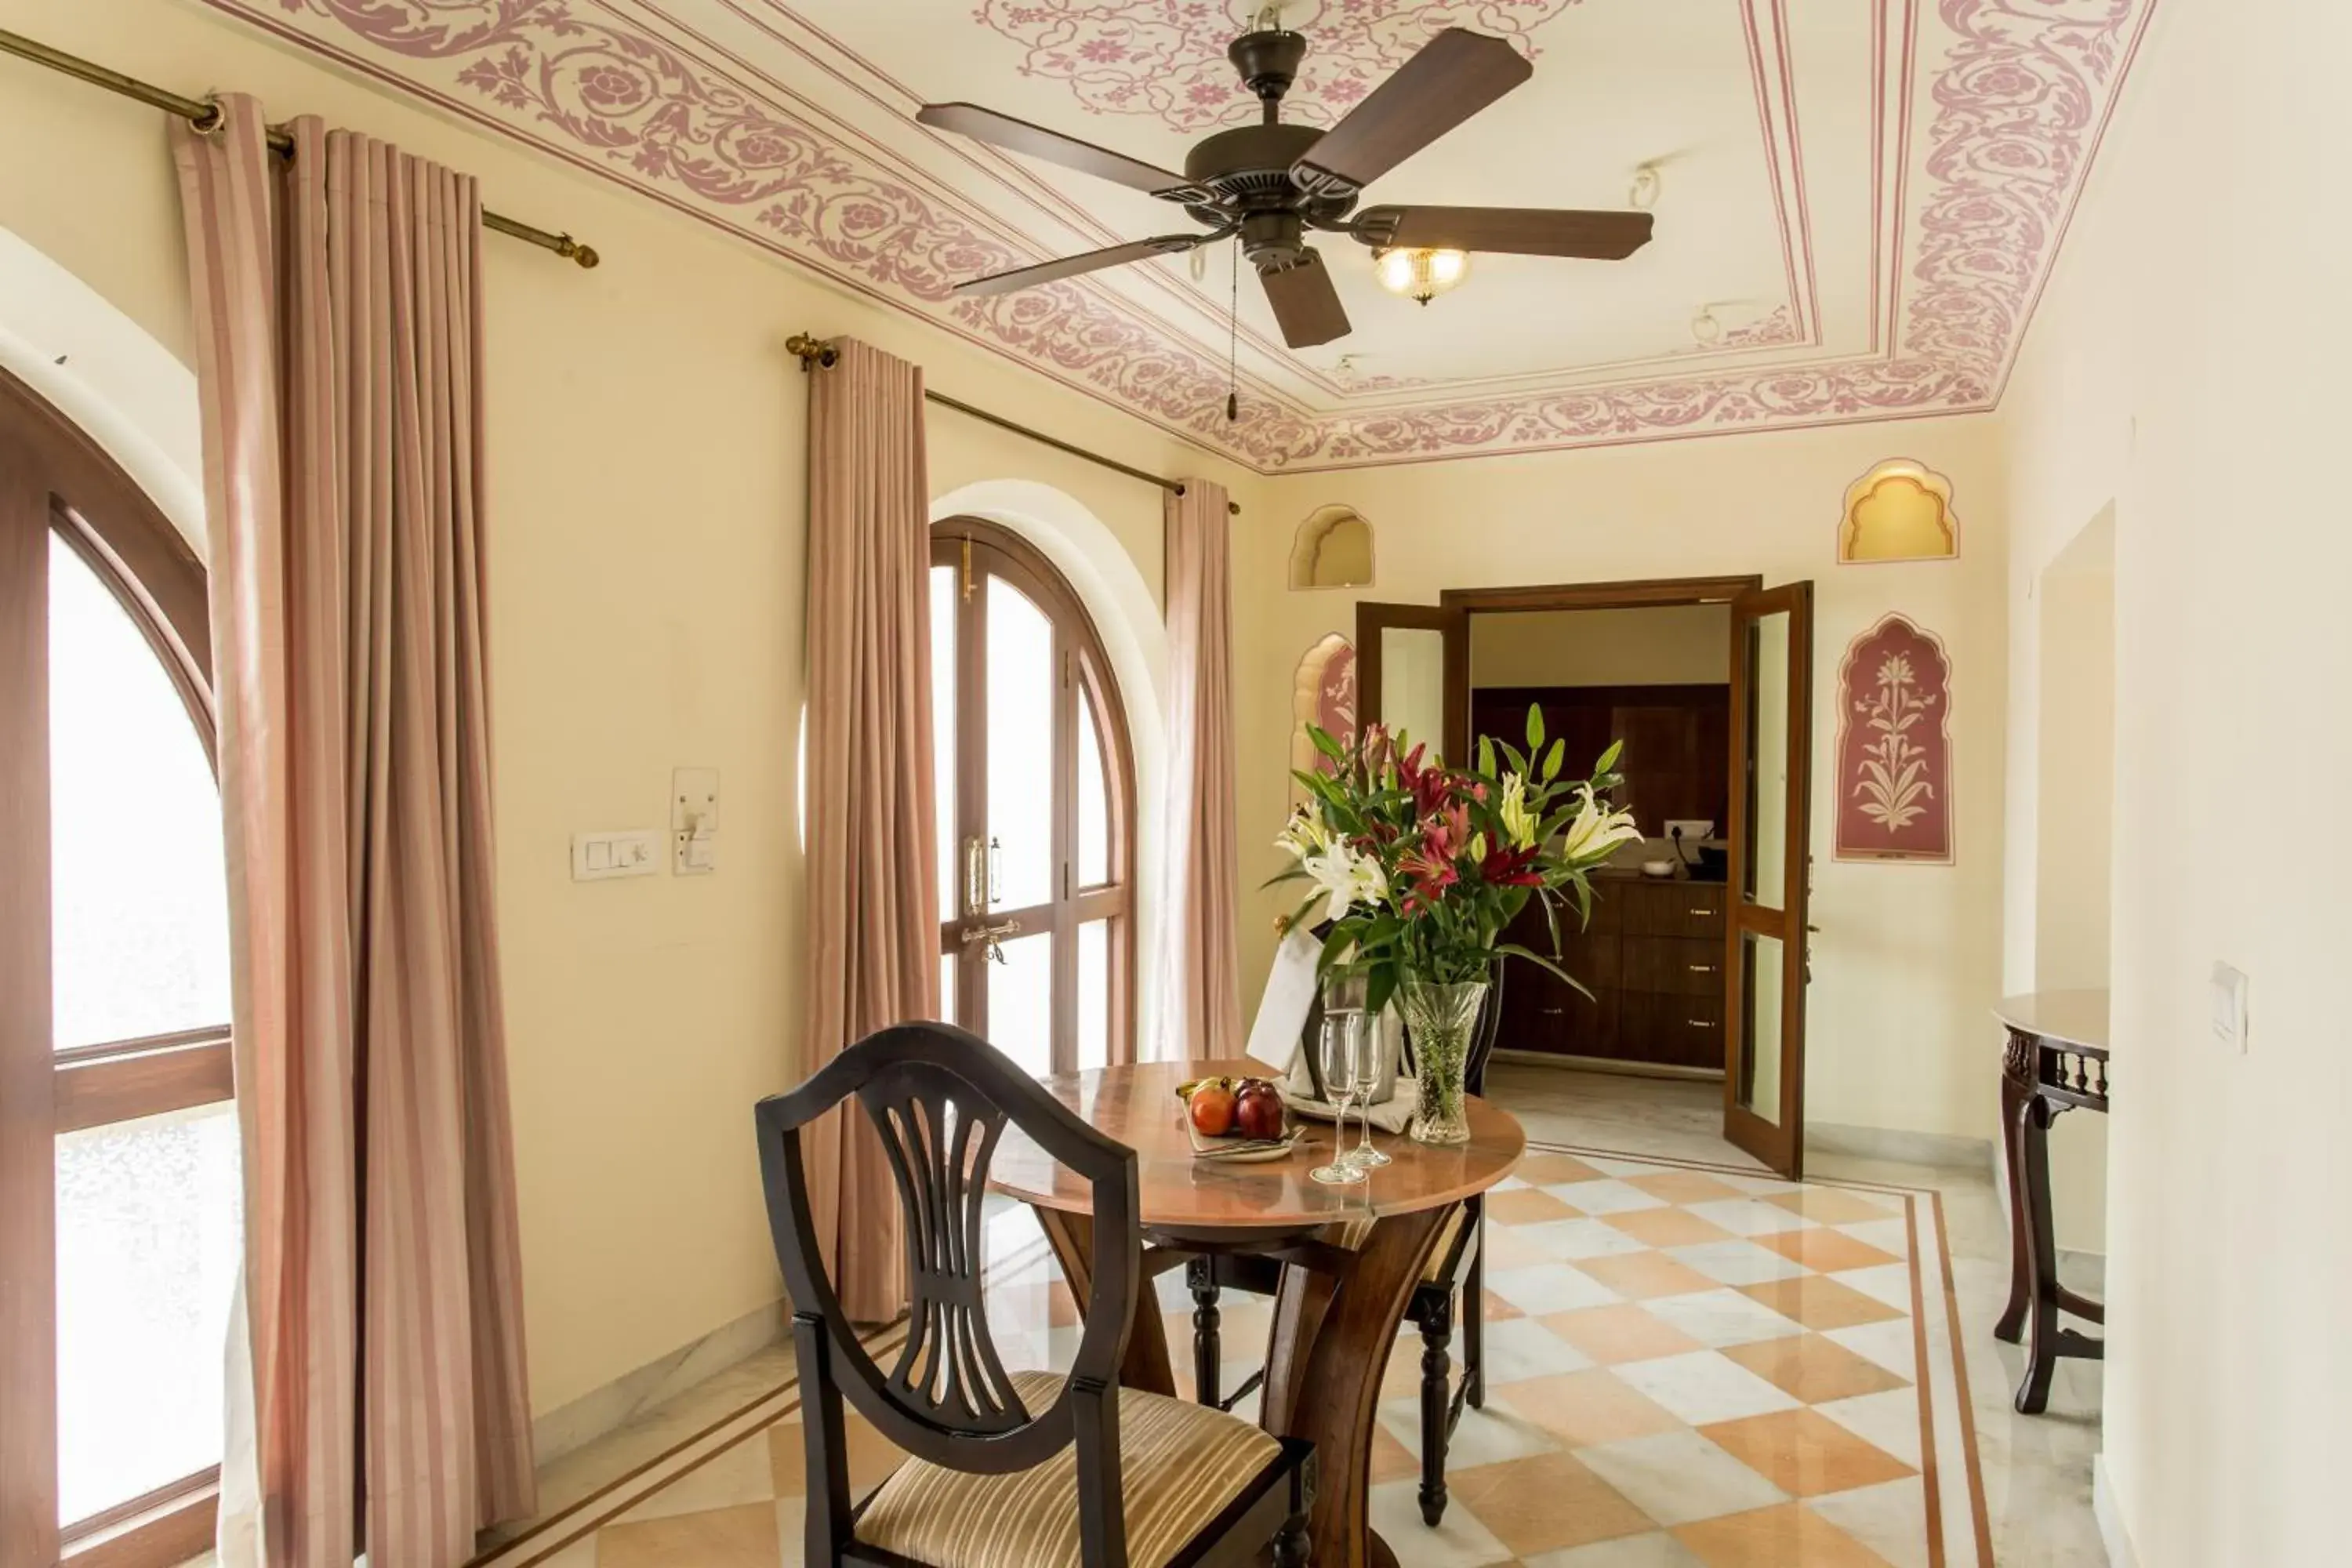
(1421, 275)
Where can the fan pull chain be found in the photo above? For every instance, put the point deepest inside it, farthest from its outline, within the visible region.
(1233, 342)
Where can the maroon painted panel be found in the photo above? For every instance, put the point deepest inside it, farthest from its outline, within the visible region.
(1895, 746)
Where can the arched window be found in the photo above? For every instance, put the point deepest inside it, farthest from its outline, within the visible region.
(114, 1003)
(1037, 803)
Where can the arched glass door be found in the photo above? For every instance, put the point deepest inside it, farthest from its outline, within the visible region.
(118, 1153)
(1036, 808)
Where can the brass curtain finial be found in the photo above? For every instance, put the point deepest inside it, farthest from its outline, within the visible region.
(813, 351)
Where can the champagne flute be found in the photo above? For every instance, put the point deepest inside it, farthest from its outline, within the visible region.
(1342, 1054)
(1375, 1046)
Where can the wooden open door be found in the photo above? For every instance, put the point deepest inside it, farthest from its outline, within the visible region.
(1766, 964)
(1412, 673)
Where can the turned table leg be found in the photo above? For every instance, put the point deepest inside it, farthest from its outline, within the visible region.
(2015, 1097)
(2041, 1256)
(1208, 1342)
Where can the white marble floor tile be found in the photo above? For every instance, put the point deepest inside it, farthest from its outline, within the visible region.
(1891, 1344)
(1750, 1216)
(1886, 1234)
(1607, 1196)
(1548, 1287)
(1575, 1238)
(1519, 1348)
(740, 1475)
(1486, 1437)
(1762, 1183)
(1703, 1386)
(1887, 1282)
(1890, 1519)
(1459, 1541)
(1678, 1476)
(1738, 1262)
(1889, 1421)
(1718, 1318)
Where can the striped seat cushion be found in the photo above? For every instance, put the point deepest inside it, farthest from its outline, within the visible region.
(1180, 1465)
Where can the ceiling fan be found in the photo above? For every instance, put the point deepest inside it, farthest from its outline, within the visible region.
(1270, 183)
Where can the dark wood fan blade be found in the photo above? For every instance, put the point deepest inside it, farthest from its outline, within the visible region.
(1087, 262)
(1020, 136)
(1527, 231)
(1456, 74)
(1305, 302)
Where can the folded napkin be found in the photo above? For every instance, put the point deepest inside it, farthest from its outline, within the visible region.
(1290, 995)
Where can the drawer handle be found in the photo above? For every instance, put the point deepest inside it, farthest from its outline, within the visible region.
(1702, 969)
(1553, 1012)
(1703, 910)
(1701, 1024)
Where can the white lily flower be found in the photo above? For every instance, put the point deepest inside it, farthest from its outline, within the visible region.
(1304, 835)
(1517, 820)
(1594, 833)
(1347, 878)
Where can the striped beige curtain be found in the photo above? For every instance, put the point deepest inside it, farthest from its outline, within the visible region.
(1200, 1008)
(873, 928)
(338, 302)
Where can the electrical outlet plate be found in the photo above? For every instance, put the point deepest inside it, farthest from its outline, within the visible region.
(694, 821)
(1695, 829)
(2229, 1007)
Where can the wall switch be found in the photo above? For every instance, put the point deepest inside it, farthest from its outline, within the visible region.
(628, 852)
(694, 821)
(2229, 1007)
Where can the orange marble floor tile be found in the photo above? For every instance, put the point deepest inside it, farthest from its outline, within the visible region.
(1506, 1250)
(1786, 1536)
(1497, 1310)
(1666, 1228)
(1544, 1502)
(1804, 1453)
(1582, 1409)
(1684, 1186)
(1542, 1170)
(1820, 1302)
(1611, 1335)
(1815, 1370)
(1832, 1206)
(1826, 1251)
(872, 1456)
(1645, 1276)
(741, 1536)
(1391, 1460)
(1526, 1205)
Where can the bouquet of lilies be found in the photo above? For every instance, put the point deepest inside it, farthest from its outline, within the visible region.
(1419, 867)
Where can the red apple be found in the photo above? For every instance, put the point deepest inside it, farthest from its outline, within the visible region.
(1211, 1105)
(1258, 1109)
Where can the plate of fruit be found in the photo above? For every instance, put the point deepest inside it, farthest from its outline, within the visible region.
(1241, 1120)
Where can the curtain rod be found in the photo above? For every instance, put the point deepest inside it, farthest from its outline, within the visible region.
(814, 352)
(204, 115)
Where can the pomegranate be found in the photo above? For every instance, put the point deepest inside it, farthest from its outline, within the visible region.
(1213, 1105)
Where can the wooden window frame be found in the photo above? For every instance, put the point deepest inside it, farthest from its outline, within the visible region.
(1086, 672)
(89, 501)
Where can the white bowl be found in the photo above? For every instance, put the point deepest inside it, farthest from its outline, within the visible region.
(1660, 868)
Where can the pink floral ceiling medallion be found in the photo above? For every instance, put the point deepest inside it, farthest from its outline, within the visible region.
(1895, 746)
(1167, 58)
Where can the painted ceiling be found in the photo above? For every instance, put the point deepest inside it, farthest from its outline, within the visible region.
(1861, 197)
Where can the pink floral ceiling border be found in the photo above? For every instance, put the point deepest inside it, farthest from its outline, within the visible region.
(2019, 105)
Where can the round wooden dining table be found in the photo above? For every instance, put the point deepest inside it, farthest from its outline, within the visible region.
(1352, 1256)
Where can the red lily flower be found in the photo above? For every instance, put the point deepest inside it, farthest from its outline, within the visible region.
(1511, 868)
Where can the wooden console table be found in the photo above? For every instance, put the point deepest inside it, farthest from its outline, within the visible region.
(2057, 1062)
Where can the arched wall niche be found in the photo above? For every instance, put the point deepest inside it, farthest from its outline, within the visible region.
(1333, 549)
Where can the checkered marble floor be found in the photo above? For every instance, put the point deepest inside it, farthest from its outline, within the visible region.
(1686, 1365)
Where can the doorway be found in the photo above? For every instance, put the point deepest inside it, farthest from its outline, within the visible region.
(1694, 964)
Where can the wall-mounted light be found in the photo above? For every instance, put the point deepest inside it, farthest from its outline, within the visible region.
(1706, 327)
(1642, 193)
(1420, 275)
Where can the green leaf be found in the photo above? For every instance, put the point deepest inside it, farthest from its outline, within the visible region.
(1535, 728)
(1487, 755)
(1516, 950)
(1553, 759)
(1325, 743)
(1379, 986)
(1609, 758)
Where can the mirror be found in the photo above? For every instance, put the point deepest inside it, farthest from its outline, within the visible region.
(1413, 683)
(1765, 878)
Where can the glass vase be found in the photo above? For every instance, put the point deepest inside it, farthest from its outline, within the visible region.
(1441, 1019)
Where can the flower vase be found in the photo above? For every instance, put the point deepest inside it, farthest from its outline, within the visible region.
(1440, 1020)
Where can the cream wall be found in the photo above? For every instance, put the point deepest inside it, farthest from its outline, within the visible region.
(2190, 373)
(647, 548)
(1670, 645)
(1908, 963)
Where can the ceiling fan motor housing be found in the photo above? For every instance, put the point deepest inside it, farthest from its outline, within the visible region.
(1268, 62)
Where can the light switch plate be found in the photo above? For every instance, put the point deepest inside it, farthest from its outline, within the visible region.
(2229, 1007)
(620, 852)
(694, 821)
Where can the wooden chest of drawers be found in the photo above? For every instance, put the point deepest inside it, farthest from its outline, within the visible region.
(1652, 958)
